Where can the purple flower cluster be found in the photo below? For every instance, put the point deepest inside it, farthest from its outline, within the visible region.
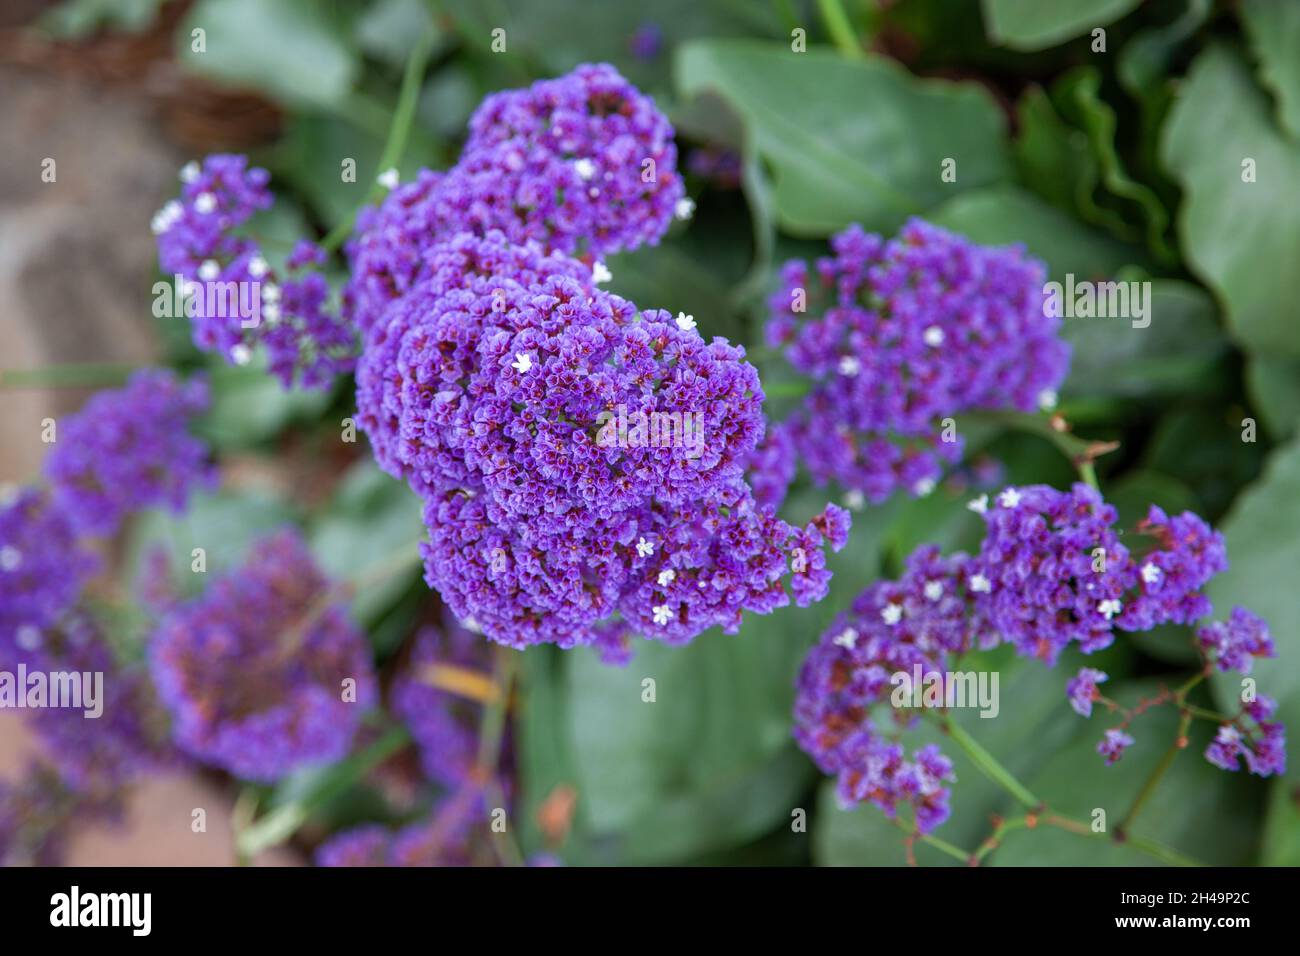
(1082, 690)
(584, 164)
(129, 449)
(262, 674)
(42, 572)
(1052, 569)
(38, 812)
(916, 622)
(1236, 643)
(1260, 740)
(452, 835)
(237, 300)
(443, 725)
(501, 386)
(898, 335)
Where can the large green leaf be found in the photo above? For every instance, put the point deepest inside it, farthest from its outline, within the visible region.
(1274, 32)
(1274, 387)
(297, 51)
(1242, 238)
(1038, 24)
(876, 163)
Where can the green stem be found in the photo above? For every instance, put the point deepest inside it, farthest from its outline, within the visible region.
(1157, 774)
(840, 29)
(990, 767)
(1080, 451)
(398, 132)
(73, 375)
(490, 740)
(943, 846)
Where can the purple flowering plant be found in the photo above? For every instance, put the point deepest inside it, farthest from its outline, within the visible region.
(511, 502)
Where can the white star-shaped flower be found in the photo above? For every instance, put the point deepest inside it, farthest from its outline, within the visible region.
(190, 172)
(1010, 498)
(644, 548)
(923, 487)
(1228, 734)
(979, 584)
(1047, 399)
(471, 625)
(1109, 608)
(241, 355)
(979, 505)
(849, 365)
(891, 614)
(684, 209)
(685, 322)
(666, 577)
(389, 179)
(209, 270)
(270, 313)
(933, 336)
(855, 500)
(934, 590)
(522, 363)
(10, 558)
(662, 615)
(270, 292)
(205, 203)
(600, 273)
(847, 638)
(257, 267)
(585, 169)
(166, 217)
(1150, 573)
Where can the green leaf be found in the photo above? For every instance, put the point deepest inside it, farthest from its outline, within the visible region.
(1241, 238)
(77, 19)
(1274, 32)
(1281, 841)
(876, 164)
(249, 405)
(1262, 532)
(1038, 24)
(1193, 792)
(296, 51)
(1274, 388)
(389, 29)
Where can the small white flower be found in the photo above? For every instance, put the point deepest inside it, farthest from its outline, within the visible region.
(934, 590)
(166, 217)
(1150, 573)
(891, 614)
(270, 292)
(257, 267)
(209, 270)
(1228, 734)
(522, 363)
(849, 365)
(979, 505)
(241, 355)
(923, 487)
(28, 637)
(1010, 498)
(933, 336)
(979, 584)
(10, 558)
(388, 179)
(666, 577)
(585, 169)
(662, 615)
(1109, 608)
(847, 638)
(270, 313)
(684, 209)
(190, 172)
(1047, 399)
(855, 500)
(644, 548)
(205, 203)
(685, 322)
(471, 625)
(600, 273)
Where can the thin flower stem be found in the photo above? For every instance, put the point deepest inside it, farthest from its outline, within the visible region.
(840, 29)
(490, 741)
(989, 765)
(75, 375)
(398, 133)
(1081, 452)
(1157, 774)
(943, 846)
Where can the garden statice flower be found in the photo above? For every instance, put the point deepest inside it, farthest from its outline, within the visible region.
(892, 627)
(583, 164)
(42, 572)
(38, 813)
(1053, 570)
(898, 335)
(130, 449)
(1236, 643)
(443, 725)
(449, 836)
(1082, 690)
(237, 300)
(262, 674)
(1113, 744)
